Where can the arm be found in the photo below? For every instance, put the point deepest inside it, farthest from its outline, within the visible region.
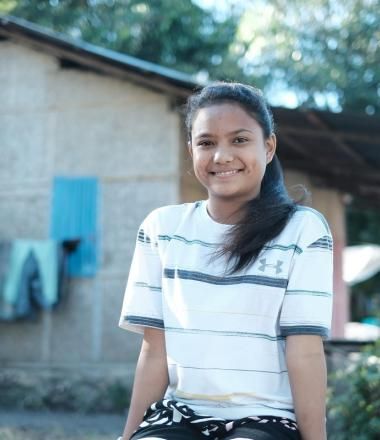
(151, 378)
(307, 374)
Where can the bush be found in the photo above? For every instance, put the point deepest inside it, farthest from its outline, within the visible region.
(354, 401)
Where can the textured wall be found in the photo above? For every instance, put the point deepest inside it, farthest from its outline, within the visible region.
(72, 122)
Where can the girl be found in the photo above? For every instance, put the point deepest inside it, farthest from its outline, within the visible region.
(232, 294)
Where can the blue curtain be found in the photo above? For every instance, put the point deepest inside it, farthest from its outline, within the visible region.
(74, 215)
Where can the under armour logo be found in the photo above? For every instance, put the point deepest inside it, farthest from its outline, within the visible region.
(276, 266)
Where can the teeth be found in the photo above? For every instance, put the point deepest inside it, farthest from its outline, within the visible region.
(225, 173)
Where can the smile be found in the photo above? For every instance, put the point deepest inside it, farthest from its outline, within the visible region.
(225, 173)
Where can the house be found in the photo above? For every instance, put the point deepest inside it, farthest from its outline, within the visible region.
(74, 110)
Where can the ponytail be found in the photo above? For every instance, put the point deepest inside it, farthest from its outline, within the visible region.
(263, 219)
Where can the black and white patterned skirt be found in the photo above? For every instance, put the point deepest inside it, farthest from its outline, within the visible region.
(168, 419)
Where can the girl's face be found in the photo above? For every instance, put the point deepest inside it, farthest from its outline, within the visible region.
(229, 152)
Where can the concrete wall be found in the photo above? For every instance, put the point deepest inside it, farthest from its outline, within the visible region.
(56, 121)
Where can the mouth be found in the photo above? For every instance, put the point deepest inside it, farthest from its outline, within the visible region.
(225, 173)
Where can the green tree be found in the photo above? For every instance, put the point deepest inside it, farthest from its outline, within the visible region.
(177, 34)
(326, 51)
(354, 411)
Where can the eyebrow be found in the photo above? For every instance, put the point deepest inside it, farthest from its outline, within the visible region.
(239, 130)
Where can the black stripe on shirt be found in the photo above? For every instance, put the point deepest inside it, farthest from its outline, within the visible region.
(144, 321)
(212, 279)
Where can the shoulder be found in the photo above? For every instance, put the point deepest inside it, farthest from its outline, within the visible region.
(313, 218)
(308, 226)
(168, 217)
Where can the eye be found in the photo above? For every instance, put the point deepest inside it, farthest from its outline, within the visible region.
(204, 143)
(240, 140)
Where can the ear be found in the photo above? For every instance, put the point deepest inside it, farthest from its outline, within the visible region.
(270, 145)
(190, 149)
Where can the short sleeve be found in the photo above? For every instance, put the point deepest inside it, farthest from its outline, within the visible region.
(307, 305)
(142, 304)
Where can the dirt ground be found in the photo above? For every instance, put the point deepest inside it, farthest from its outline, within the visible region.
(25, 425)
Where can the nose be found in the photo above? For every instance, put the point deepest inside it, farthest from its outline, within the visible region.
(223, 154)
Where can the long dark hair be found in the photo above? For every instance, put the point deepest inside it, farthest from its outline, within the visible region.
(265, 216)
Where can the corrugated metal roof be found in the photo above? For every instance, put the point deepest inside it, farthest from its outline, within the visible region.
(99, 58)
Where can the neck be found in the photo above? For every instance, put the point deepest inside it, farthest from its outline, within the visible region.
(224, 211)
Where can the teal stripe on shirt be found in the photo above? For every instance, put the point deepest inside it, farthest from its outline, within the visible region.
(224, 333)
(308, 292)
(230, 369)
(280, 247)
(186, 241)
(146, 285)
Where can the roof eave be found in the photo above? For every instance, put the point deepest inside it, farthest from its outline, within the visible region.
(99, 59)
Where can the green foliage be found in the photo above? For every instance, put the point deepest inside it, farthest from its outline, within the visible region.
(354, 407)
(176, 34)
(326, 51)
(363, 225)
(7, 5)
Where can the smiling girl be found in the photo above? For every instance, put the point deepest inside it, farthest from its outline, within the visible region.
(232, 294)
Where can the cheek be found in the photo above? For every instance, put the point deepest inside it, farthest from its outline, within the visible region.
(257, 166)
(200, 164)
(260, 160)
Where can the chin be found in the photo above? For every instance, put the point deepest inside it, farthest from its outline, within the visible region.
(227, 196)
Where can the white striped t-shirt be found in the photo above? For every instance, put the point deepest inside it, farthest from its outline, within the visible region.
(225, 334)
